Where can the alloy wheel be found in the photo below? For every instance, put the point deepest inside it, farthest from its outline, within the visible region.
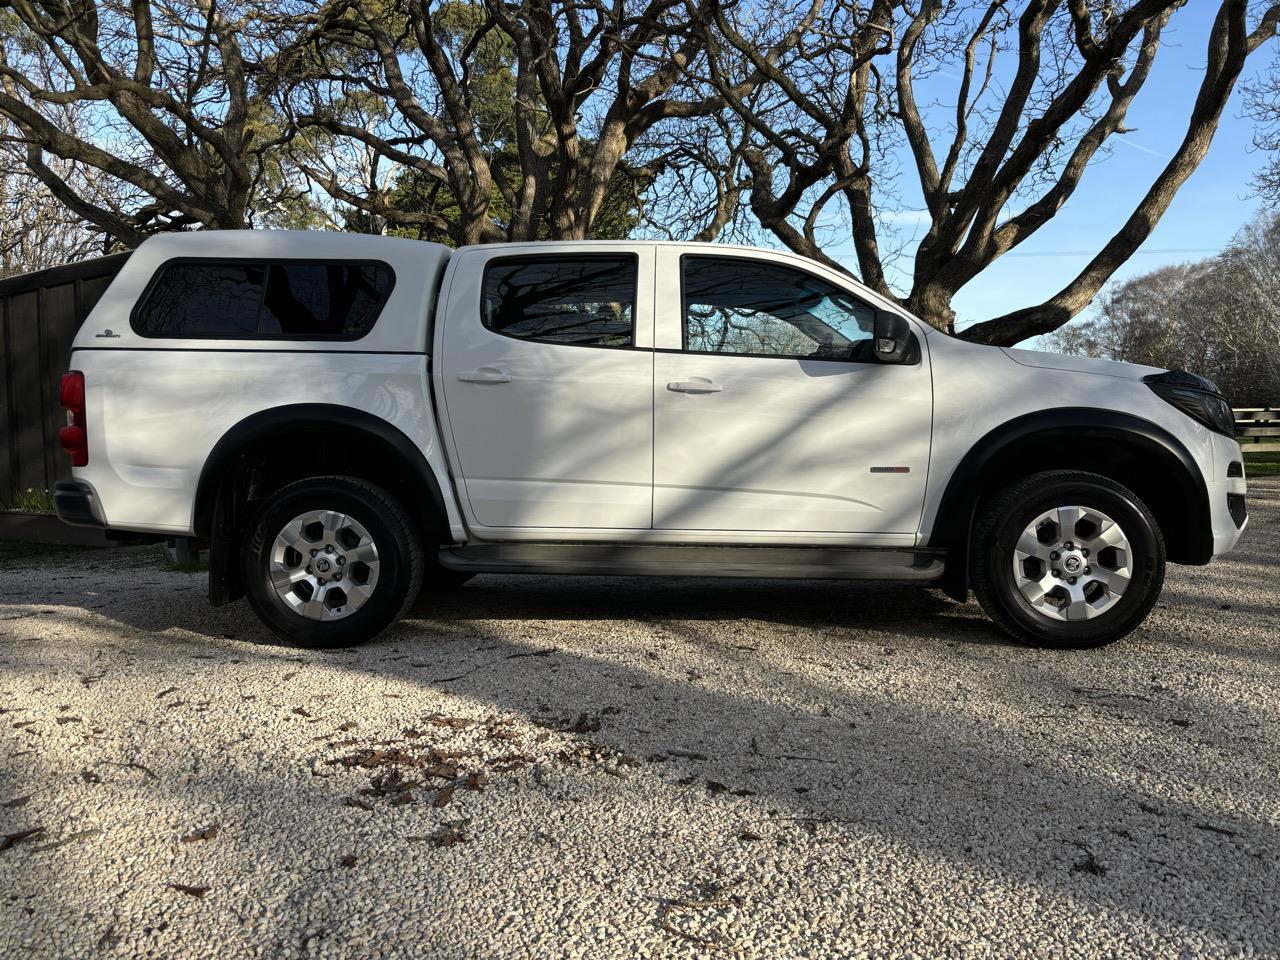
(323, 565)
(1072, 563)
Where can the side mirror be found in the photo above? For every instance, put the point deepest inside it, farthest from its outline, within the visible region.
(894, 341)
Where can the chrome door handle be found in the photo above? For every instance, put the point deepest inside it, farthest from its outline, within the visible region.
(485, 375)
(696, 385)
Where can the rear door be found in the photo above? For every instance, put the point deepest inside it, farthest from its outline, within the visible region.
(546, 370)
(771, 413)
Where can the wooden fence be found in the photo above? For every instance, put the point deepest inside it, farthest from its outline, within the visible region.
(39, 316)
(1255, 426)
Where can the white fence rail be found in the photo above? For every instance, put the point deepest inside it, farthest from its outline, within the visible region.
(1255, 428)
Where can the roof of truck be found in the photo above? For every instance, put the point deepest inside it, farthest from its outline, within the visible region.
(295, 241)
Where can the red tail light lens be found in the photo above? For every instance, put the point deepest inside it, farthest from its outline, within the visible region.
(73, 390)
(73, 438)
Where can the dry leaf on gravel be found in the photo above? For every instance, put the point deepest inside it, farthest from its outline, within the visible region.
(456, 723)
(583, 723)
(451, 833)
(208, 833)
(197, 892)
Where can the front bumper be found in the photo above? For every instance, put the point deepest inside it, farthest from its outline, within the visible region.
(76, 504)
(1227, 507)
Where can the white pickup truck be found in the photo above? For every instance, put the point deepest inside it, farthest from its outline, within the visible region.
(349, 420)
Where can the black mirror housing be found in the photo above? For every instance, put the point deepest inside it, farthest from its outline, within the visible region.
(894, 340)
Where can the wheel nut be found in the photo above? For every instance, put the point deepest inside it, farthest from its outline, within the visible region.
(314, 552)
(1069, 545)
(1084, 552)
(329, 548)
(1054, 555)
(1071, 580)
(1088, 569)
(342, 560)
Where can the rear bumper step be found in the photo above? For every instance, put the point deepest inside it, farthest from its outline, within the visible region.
(75, 504)
(663, 560)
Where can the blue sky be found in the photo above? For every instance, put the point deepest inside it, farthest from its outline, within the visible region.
(1209, 209)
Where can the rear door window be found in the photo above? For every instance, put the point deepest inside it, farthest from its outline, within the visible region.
(586, 301)
(270, 300)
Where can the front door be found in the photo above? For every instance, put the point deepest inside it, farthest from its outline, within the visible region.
(547, 374)
(771, 412)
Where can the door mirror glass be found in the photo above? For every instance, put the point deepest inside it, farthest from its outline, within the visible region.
(894, 341)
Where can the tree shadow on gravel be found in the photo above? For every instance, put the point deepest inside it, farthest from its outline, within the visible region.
(1016, 773)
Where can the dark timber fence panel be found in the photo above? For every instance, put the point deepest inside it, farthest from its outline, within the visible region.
(39, 316)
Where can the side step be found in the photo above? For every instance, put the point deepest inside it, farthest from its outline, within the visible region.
(665, 560)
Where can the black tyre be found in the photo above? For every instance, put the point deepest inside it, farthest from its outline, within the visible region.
(1066, 559)
(331, 561)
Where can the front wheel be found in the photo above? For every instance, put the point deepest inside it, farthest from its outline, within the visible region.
(331, 561)
(1067, 559)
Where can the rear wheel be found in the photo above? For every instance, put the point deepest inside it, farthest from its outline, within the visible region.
(331, 561)
(1067, 559)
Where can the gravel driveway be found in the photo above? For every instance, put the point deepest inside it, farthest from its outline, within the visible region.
(615, 768)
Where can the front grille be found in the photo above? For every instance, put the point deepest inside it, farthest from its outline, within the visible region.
(1237, 509)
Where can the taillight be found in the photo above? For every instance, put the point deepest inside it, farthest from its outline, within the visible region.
(73, 438)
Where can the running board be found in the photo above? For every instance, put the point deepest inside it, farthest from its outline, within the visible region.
(664, 560)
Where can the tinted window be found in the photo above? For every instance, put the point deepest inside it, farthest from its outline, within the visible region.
(302, 299)
(763, 309)
(203, 300)
(589, 301)
(323, 299)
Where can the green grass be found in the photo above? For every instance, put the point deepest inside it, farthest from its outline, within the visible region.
(1262, 464)
(29, 501)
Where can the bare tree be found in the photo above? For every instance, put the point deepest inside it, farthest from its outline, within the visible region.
(1218, 317)
(1262, 105)
(39, 231)
(1011, 152)
(178, 118)
(511, 120)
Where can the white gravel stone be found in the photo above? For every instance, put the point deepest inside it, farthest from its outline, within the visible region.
(664, 768)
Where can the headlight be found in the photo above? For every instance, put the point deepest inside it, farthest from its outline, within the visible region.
(1195, 396)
